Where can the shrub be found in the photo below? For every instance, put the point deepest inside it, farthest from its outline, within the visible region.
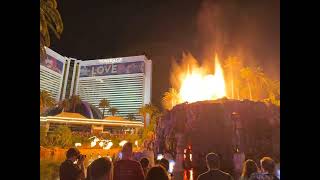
(49, 170)
(61, 137)
(43, 138)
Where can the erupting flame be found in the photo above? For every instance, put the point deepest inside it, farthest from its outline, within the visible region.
(197, 86)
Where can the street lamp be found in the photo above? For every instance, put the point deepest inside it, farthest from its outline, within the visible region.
(236, 120)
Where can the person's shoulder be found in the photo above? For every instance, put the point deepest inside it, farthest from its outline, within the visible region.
(127, 162)
(202, 176)
(66, 163)
(135, 163)
(224, 173)
(258, 176)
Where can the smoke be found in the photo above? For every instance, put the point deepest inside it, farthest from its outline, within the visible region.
(179, 70)
(248, 29)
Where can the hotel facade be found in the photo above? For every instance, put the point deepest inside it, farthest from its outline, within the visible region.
(125, 81)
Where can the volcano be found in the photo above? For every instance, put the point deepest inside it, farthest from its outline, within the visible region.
(222, 126)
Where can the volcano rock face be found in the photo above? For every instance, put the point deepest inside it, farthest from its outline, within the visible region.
(211, 126)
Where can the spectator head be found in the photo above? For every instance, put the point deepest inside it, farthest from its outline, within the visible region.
(267, 165)
(157, 173)
(213, 161)
(164, 163)
(127, 151)
(72, 154)
(144, 163)
(100, 169)
(249, 167)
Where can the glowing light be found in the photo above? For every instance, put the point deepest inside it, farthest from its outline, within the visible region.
(197, 86)
(109, 145)
(101, 143)
(171, 165)
(77, 144)
(122, 143)
(93, 143)
(159, 157)
(191, 174)
(136, 143)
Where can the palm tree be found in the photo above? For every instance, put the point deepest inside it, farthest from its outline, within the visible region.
(170, 99)
(131, 117)
(262, 79)
(104, 104)
(46, 101)
(273, 89)
(147, 109)
(233, 64)
(49, 19)
(113, 110)
(74, 102)
(248, 74)
(65, 104)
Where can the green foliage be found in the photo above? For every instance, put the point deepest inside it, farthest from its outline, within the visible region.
(148, 133)
(104, 103)
(46, 100)
(131, 117)
(113, 110)
(49, 19)
(170, 99)
(60, 137)
(43, 138)
(80, 139)
(49, 170)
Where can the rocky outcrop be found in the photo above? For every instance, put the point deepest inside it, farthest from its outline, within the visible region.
(220, 126)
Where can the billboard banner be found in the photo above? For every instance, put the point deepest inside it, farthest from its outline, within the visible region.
(112, 69)
(53, 64)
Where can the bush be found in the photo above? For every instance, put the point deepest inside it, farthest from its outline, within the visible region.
(49, 170)
(61, 137)
(82, 138)
(43, 138)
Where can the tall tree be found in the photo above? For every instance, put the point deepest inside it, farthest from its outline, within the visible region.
(49, 19)
(233, 65)
(65, 104)
(74, 102)
(147, 109)
(104, 104)
(131, 117)
(273, 89)
(170, 99)
(113, 110)
(46, 100)
(248, 75)
(262, 81)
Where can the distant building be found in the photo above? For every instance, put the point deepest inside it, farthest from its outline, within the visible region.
(125, 81)
(52, 73)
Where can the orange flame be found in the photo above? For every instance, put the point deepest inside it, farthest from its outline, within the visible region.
(198, 86)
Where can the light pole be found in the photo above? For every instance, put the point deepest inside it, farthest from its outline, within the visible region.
(236, 120)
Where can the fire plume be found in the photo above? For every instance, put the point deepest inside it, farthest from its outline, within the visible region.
(197, 85)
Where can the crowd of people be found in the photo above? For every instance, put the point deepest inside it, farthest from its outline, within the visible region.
(126, 168)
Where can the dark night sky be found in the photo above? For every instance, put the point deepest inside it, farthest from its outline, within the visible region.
(105, 28)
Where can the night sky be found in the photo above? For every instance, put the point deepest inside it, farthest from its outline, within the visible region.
(162, 30)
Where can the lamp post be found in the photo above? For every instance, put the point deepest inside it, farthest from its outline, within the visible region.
(236, 120)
